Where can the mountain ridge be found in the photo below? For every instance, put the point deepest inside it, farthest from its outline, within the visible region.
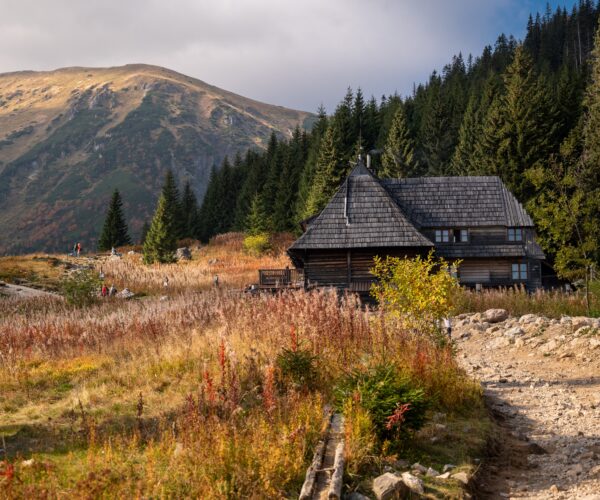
(69, 136)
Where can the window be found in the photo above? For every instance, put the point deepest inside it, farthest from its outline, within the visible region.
(519, 271)
(515, 234)
(442, 235)
(461, 235)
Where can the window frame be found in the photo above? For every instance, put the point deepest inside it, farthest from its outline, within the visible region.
(444, 235)
(512, 232)
(520, 270)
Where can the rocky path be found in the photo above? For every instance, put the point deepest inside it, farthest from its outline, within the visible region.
(542, 380)
(9, 290)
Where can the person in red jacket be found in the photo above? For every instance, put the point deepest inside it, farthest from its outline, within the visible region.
(104, 291)
(78, 249)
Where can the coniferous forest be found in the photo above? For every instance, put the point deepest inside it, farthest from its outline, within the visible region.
(526, 111)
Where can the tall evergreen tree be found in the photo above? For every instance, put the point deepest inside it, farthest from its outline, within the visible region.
(160, 241)
(114, 231)
(398, 159)
(329, 173)
(173, 204)
(258, 220)
(190, 212)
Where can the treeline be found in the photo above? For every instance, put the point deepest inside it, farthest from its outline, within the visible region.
(523, 111)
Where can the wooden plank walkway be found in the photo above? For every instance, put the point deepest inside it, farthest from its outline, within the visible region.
(324, 477)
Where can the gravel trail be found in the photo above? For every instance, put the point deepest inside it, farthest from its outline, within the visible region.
(542, 382)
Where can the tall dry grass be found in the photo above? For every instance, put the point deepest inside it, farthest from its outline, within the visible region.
(182, 397)
(517, 301)
(223, 256)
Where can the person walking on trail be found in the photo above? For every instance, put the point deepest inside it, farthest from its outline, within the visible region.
(448, 327)
(112, 291)
(166, 282)
(78, 248)
(74, 252)
(104, 292)
(216, 281)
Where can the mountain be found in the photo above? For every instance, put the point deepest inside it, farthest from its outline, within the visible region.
(68, 137)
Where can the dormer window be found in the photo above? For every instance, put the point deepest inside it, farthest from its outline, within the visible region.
(461, 235)
(442, 236)
(515, 234)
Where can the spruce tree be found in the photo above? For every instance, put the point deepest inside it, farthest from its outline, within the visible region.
(258, 220)
(114, 231)
(144, 232)
(328, 174)
(398, 159)
(160, 243)
(190, 212)
(173, 204)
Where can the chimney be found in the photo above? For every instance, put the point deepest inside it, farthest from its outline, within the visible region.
(369, 161)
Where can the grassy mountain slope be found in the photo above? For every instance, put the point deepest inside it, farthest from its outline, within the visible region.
(69, 137)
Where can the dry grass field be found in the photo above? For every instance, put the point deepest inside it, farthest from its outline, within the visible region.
(201, 392)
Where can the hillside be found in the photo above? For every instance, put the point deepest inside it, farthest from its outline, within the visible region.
(69, 137)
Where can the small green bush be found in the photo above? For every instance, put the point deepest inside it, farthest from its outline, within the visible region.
(257, 244)
(381, 391)
(297, 367)
(81, 287)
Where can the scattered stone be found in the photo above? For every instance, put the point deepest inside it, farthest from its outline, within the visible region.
(400, 464)
(432, 472)
(131, 252)
(28, 463)
(419, 468)
(461, 476)
(125, 294)
(448, 467)
(516, 331)
(355, 495)
(413, 483)
(528, 318)
(183, 253)
(387, 486)
(554, 489)
(495, 315)
(445, 475)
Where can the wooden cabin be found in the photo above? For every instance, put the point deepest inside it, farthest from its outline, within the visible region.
(472, 219)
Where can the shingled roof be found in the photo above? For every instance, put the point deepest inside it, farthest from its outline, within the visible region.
(361, 214)
(458, 201)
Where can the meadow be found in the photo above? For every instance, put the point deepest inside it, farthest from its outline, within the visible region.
(197, 391)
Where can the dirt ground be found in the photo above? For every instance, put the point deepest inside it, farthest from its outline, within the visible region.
(544, 391)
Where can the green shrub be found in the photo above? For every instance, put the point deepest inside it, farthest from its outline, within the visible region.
(297, 367)
(257, 244)
(81, 287)
(385, 394)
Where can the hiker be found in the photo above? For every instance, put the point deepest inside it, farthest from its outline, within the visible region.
(448, 327)
(112, 291)
(113, 251)
(74, 253)
(104, 292)
(216, 281)
(101, 274)
(166, 282)
(78, 248)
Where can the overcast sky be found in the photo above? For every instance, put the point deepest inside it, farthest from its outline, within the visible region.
(295, 53)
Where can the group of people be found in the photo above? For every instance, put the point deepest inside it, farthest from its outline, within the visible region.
(76, 250)
(108, 292)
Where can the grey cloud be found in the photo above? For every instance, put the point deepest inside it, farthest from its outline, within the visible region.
(292, 53)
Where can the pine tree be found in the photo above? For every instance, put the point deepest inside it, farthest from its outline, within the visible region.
(258, 220)
(144, 232)
(114, 231)
(190, 212)
(328, 174)
(521, 126)
(173, 204)
(160, 241)
(398, 159)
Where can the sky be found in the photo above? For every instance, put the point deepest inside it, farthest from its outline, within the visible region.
(297, 54)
